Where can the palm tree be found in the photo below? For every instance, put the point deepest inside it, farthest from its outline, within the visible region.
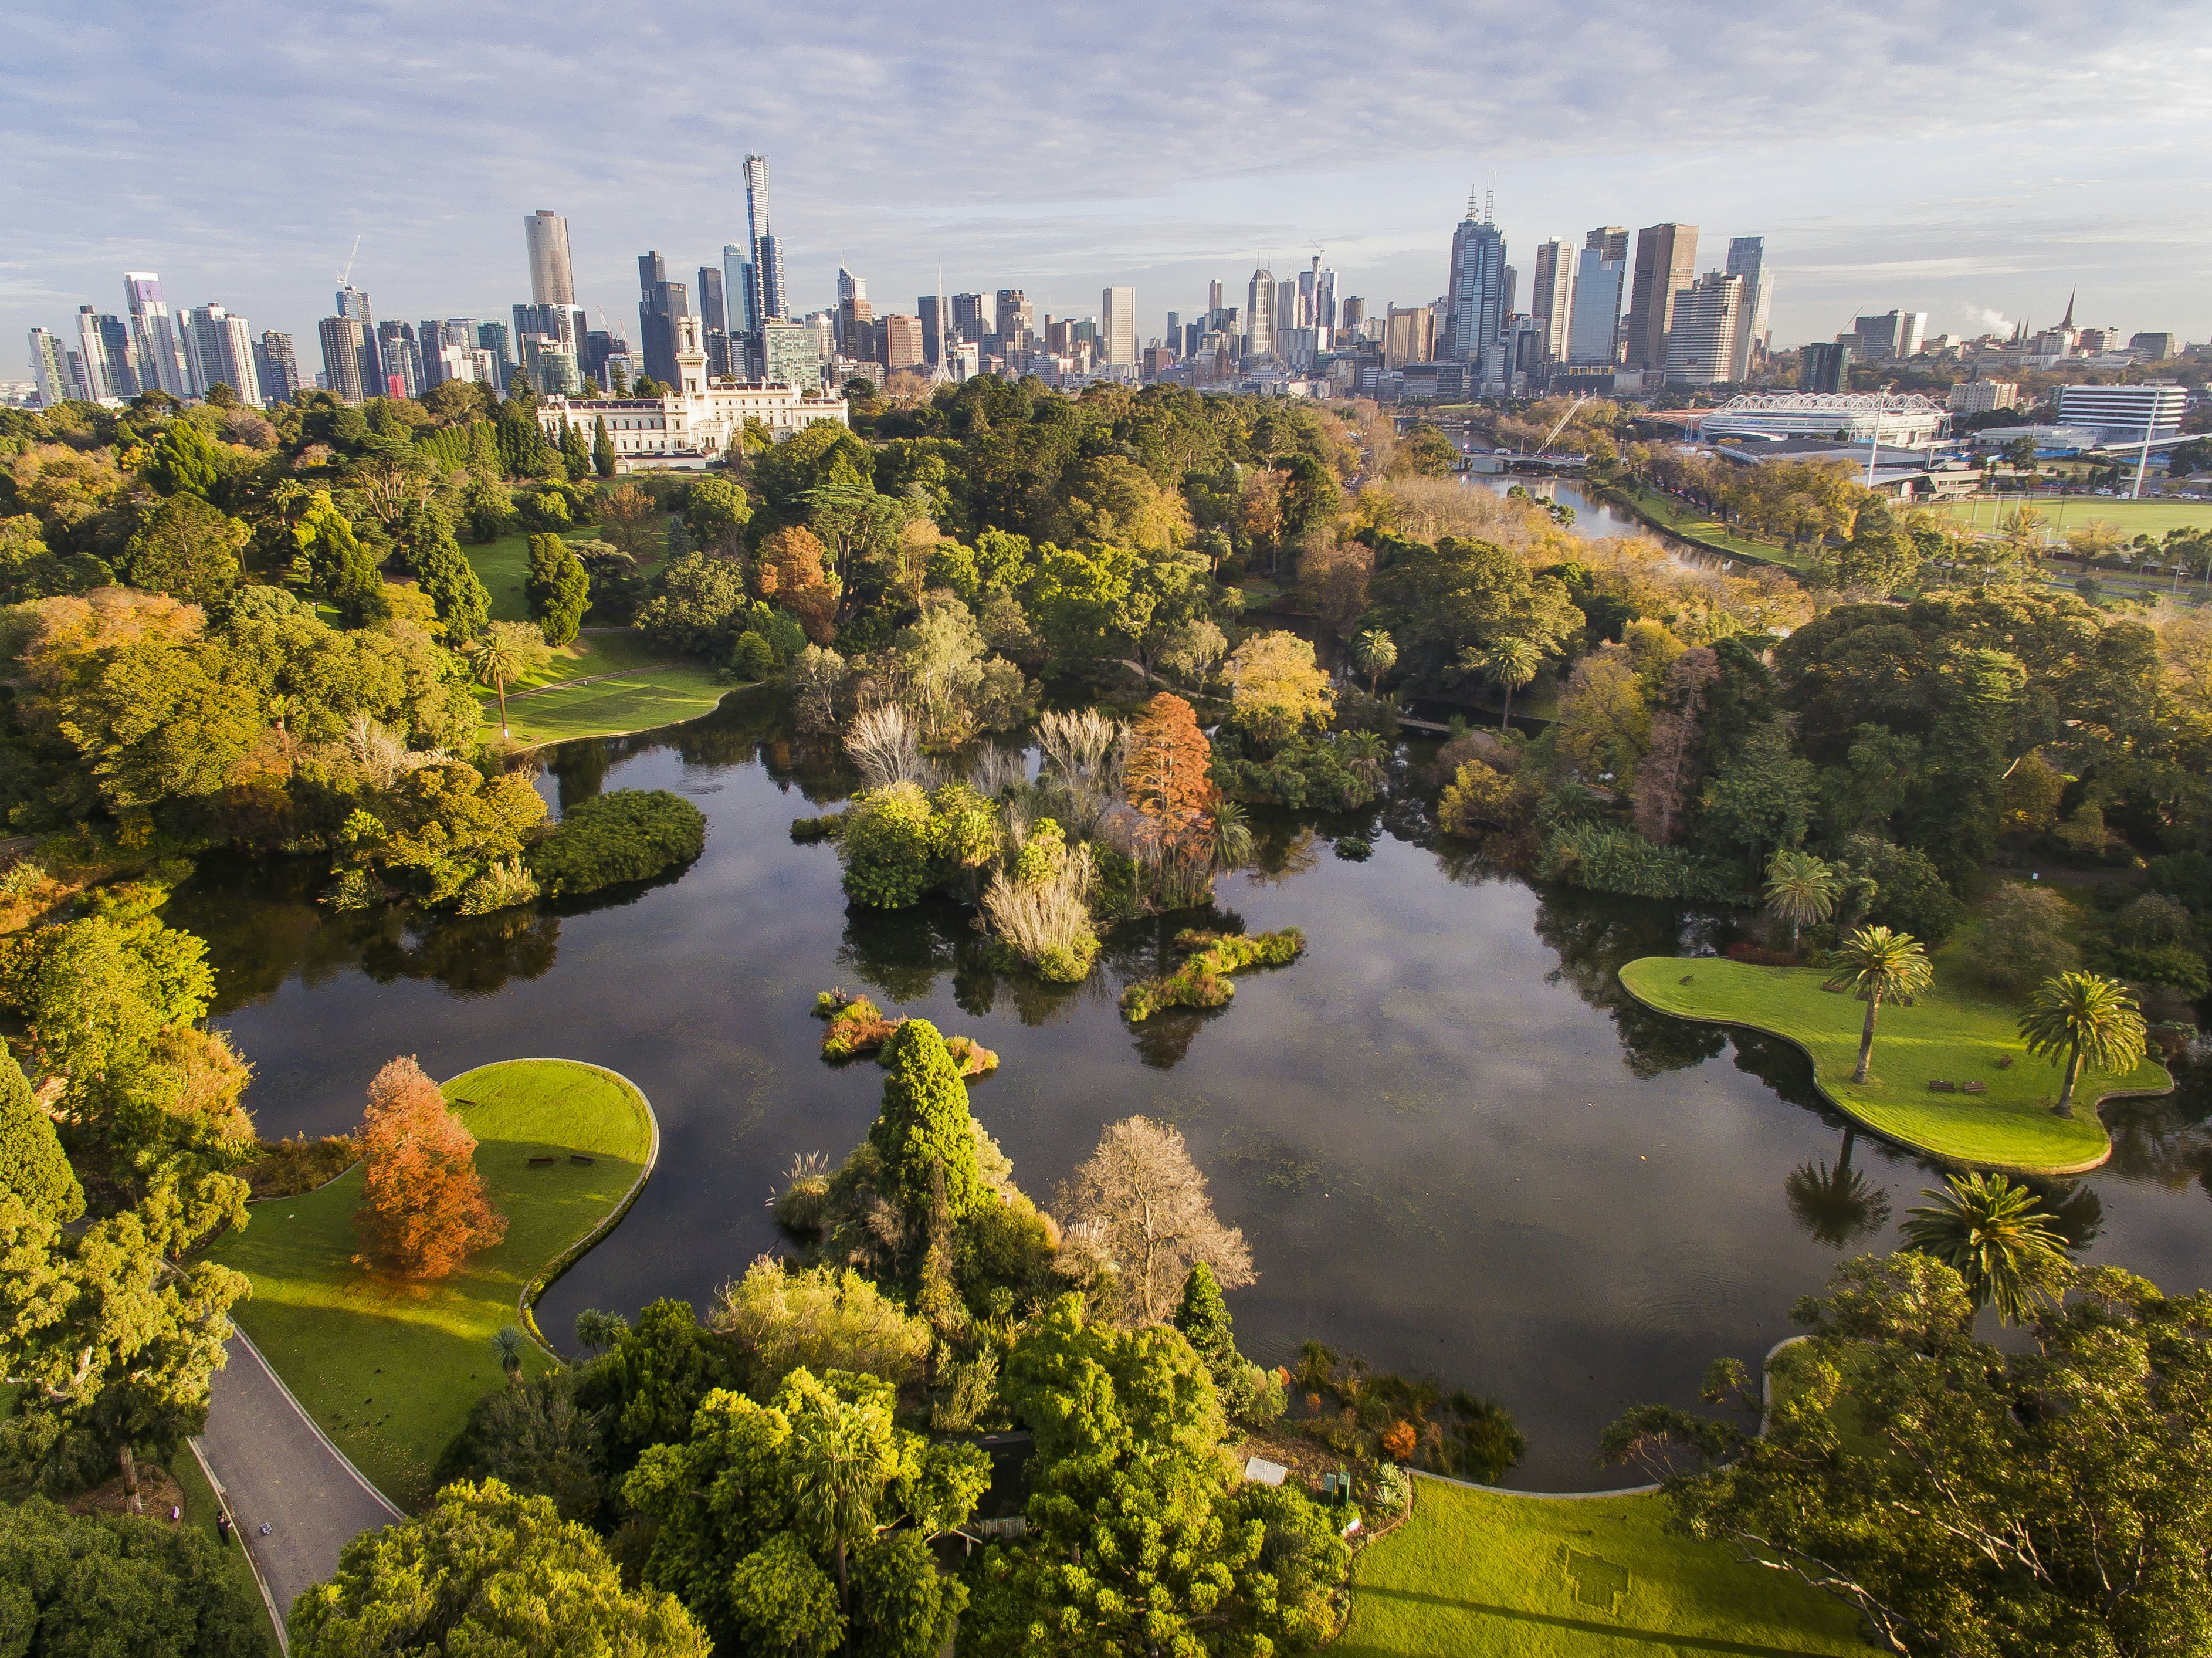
(596, 1331)
(1874, 963)
(1989, 1232)
(506, 650)
(1232, 835)
(2088, 1019)
(1509, 664)
(1374, 653)
(508, 1343)
(1800, 888)
(844, 1462)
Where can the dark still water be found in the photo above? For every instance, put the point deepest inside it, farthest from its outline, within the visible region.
(1448, 1144)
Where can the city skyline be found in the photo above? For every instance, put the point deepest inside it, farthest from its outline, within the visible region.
(1828, 160)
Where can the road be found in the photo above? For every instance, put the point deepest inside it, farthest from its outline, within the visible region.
(277, 1469)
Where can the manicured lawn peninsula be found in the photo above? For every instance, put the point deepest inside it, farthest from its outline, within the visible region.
(1508, 1576)
(389, 1369)
(1944, 1036)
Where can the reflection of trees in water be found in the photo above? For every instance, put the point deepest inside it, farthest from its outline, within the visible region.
(1594, 934)
(1283, 848)
(580, 770)
(900, 952)
(469, 955)
(1783, 1067)
(2077, 1213)
(1836, 1202)
(263, 925)
(2167, 1140)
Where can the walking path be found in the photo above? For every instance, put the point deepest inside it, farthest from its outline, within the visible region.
(275, 1468)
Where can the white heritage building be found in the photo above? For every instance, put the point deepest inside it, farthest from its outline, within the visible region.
(697, 421)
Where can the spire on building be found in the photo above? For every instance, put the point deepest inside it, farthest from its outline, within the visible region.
(2068, 320)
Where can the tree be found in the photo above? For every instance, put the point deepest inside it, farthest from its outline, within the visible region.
(556, 588)
(646, 1389)
(454, 589)
(2087, 1018)
(487, 1571)
(575, 455)
(183, 460)
(1874, 964)
(841, 1458)
(716, 516)
(1425, 452)
(1509, 664)
(792, 569)
(1988, 1231)
(504, 651)
(2049, 1501)
(821, 1318)
(924, 1131)
(1277, 690)
(1168, 778)
(536, 1440)
(188, 548)
(95, 1583)
(2023, 940)
(1246, 1391)
(1374, 654)
(1604, 725)
(335, 563)
(33, 1168)
(1146, 1204)
(1800, 887)
(423, 1208)
(603, 448)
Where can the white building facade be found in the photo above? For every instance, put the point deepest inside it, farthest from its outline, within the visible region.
(1907, 421)
(2125, 414)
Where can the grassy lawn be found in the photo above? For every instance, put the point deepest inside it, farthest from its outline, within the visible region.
(1948, 1034)
(1522, 1577)
(2135, 518)
(387, 1370)
(1681, 519)
(609, 708)
(502, 566)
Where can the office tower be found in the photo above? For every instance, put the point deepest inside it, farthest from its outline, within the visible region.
(353, 304)
(937, 326)
(50, 367)
(1893, 336)
(793, 353)
(855, 316)
(974, 316)
(1666, 263)
(1701, 337)
(1260, 316)
(1825, 366)
(492, 337)
(1409, 335)
(1213, 298)
(714, 324)
(899, 342)
(161, 355)
(660, 302)
(1551, 298)
(768, 251)
(1017, 321)
(1475, 305)
(1286, 308)
(341, 357)
(1352, 313)
(276, 367)
(741, 304)
(1611, 241)
(402, 363)
(1594, 332)
(224, 349)
(2152, 347)
(1117, 326)
(550, 281)
(119, 357)
(1747, 257)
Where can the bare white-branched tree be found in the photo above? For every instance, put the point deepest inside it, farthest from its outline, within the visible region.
(885, 745)
(1145, 1202)
(1082, 754)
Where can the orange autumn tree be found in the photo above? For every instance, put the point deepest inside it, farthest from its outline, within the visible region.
(1167, 778)
(423, 1208)
(792, 569)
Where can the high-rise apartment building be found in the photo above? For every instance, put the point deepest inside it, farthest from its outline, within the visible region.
(223, 347)
(1982, 396)
(1666, 264)
(1260, 316)
(50, 367)
(1600, 283)
(899, 342)
(1825, 366)
(396, 348)
(1702, 332)
(551, 282)
(111, 360)
(1747, 257)
(855, 316)
(768, 251)
(161, 353)
(1117, 326)
(659, 303)
(793, 353)
(341, 357)
(1475, 300)
(276, 367)
(1409, 335)
(1551, 298)
(1891, 337)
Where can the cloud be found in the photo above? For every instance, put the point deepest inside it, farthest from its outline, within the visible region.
(240, 149)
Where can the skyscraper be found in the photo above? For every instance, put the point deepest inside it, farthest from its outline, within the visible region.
(974, 316)
(1894, 335)
(276, 367)
(160, 356)
(50, 367)
(1551, 298)
(107, 369)
(341, 357)
(550, 281)
(1260, 316)
(1016, 324)
(1825, 366)
(1117, 326)
(936, 313)
(855, 316)
(1600, 278)
(768, 252)
(1747, 257)
(659, 302)
(353, 304)
(715, 324)
(741, 296)
(898, 341)
(1701, 337)
(1475, 293)
(397, 351)
(1666, 263)
(223, 344)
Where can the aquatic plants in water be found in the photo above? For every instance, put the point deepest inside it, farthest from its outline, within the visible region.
(857, 1026)
(1202, 981)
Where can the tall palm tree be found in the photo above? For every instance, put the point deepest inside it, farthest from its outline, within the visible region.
(1876, 965)
(1509, 664)
(506, 650)
(1800, 887)
(1374, 653)
(843, 1460)
(2088, 1019)
(1232, 835)
(1989, 1231)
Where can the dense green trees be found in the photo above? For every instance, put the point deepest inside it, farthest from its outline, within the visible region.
(629, 834)
(556, 588)
(33, 1168)
(73, 1583)
(923, 1134)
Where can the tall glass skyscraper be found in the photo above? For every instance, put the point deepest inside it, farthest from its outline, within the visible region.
(1747, 257)
(1474, 295)
(768, 252)
(160, 351)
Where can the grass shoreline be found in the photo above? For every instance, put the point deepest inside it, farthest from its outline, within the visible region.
(388, 1370)
(1944, 1036)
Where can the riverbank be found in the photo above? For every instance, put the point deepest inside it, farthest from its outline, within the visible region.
(1701, 530)
(1943, 1036)
(388, 1370)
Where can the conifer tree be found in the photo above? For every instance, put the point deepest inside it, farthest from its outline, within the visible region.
(423, 1206)
(925, 1126)
(573, 453)
(603, 449)
(557, 589)
(454, 589)
(33, 1166)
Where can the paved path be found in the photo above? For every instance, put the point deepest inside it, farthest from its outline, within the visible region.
(276, 1468)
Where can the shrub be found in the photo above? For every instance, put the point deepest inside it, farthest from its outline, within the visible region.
(1202, 980)
(2023, 939)
(1609, 860)
(885, 847)
(285, 1168)
(1390, 1490)
(806, 831)
(822, 1319)
(1479, 797)
(630, 834)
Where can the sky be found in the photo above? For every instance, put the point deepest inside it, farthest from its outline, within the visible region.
(1973, 162)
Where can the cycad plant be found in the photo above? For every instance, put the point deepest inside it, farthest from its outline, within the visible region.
(1800, 887)
(1509, 664)
(1876, 965)
(2085, 1019)
(1991, 1233)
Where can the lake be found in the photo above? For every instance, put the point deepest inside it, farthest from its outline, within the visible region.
(1449, 1142)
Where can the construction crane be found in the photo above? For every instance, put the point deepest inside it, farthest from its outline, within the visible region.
(345, 277)
(1544, 448)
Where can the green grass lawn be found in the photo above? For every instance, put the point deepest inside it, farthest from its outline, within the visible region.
(1600, 1577)
(389, 1369)
(2135, 518)
(1948, 1034)
(611, 708)
(1685, 520)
